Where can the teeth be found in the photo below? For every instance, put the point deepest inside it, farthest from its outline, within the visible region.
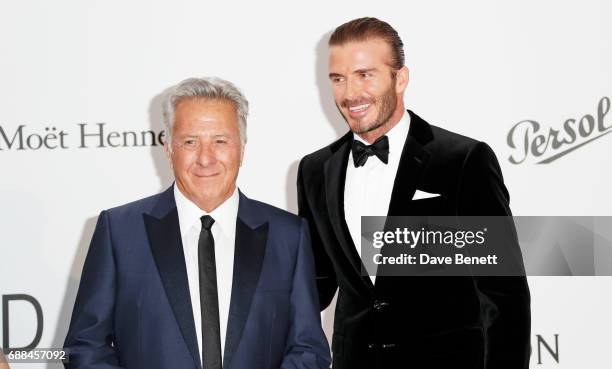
(359, 108)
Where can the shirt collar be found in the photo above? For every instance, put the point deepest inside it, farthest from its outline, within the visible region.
(189, 214)
(396, 135)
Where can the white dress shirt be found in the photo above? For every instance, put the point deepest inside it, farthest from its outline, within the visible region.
(224, 234)
(367, 189)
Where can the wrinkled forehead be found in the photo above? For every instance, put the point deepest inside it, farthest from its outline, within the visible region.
(205, 114)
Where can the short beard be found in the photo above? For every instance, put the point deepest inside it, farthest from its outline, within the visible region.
(388, 102)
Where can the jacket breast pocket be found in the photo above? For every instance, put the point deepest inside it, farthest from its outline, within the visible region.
(430, 206)
(280, 285)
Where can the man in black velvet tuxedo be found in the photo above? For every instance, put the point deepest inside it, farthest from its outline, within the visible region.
(392, 162)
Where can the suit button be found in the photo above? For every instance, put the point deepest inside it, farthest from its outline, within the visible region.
(380, 305)
(371, 346)
(388, 345)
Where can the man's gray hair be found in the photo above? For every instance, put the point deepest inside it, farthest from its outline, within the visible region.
(210, 88)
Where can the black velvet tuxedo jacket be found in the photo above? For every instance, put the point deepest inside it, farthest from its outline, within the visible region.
(416, 322)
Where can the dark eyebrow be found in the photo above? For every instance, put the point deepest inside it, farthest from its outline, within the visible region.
(364, 70)
(334, 75)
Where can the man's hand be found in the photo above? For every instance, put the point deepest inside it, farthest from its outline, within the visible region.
(3, 363)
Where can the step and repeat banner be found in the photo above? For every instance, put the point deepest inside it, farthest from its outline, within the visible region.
(80, 126)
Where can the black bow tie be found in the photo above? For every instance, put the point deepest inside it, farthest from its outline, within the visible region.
(361, 151)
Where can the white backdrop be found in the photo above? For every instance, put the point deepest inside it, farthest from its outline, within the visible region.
(477, 68)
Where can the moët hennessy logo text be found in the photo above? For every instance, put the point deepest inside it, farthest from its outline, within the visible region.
(95, 135)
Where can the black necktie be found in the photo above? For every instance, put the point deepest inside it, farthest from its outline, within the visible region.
(361, 151)
(209, 298)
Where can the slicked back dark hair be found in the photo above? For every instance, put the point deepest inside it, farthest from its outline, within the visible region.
(363, 29)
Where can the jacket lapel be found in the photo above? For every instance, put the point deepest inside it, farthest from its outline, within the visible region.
(414, 158)
(251, 239)
(412, 162)
(164, 234)
(335, 177)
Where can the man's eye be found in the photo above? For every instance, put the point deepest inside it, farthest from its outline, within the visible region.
(190, 143)
(337, 79)
(221, 141)
(365, 75)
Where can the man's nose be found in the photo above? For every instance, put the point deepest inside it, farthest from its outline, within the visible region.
(206, 155)
(352, 89)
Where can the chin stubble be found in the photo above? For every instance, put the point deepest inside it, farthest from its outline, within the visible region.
(388, 101)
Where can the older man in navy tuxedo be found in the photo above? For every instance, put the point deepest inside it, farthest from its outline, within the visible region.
(199, 276)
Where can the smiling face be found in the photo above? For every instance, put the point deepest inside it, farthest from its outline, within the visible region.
(206, 151)
(367, 91)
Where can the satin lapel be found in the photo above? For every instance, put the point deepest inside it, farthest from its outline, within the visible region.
(335, 176)
(414, 158)
(251, 239)
(166, 246)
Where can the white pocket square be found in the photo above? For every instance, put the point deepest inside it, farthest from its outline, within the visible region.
(418, 195)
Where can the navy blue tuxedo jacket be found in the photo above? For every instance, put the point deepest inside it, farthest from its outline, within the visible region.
(133, 308)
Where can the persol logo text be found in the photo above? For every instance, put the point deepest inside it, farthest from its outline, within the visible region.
(532, 142)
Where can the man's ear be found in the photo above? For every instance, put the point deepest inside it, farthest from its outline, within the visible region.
(242, 153)
(168, 153)
(402, 77)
